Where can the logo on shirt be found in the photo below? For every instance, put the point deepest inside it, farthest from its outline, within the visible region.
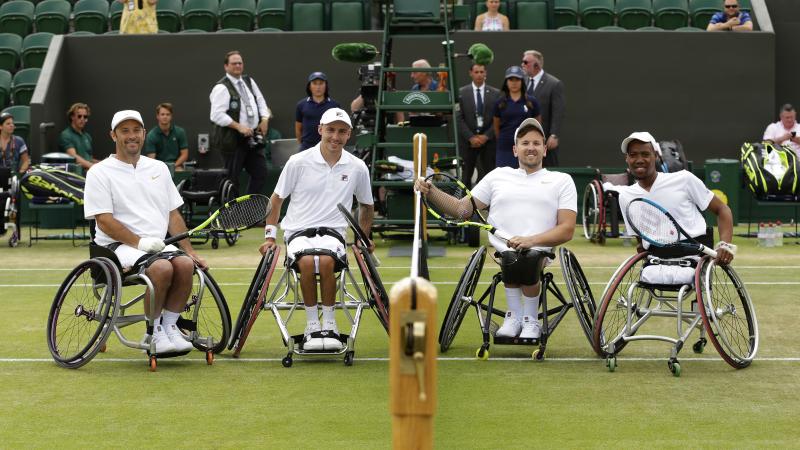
(154, 177)
(345, 177)
(416, 97)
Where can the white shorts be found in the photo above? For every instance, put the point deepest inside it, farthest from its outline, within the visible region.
(128, 255)
(661, 274)
(301, 243)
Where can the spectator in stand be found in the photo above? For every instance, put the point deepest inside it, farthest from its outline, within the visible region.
(310, 109)
(786, 130)
(167, 142)
(730, 19)
(13, 151)
(492, 19)
(138, 17)
(74, 141)
(549, 92)
(511, 109)
(474, 118)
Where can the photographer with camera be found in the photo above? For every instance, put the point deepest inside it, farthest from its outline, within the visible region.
(241, 117)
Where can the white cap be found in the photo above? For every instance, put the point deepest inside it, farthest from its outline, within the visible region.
(127, 114)
(526, 122)
(643, 136)
(335, 115)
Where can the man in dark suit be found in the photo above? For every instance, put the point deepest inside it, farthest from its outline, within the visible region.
(475, 132)
(549, 91)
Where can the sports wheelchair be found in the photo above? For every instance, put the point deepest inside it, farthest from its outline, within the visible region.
(716, 297)
(89, 305)
(464, 298)
(600, 212)
(285, 299)
(9, 198)
(203, 193)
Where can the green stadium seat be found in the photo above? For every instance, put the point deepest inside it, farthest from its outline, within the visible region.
(22, 120)
(572, 28)
(91, 16)
(306, 16)
(112, 32)
(81, 33)
(23, 84)
(269, 30)
(239, 14)
(744, 5)
(566, 13)
(531, 15)
(700, 11)
(596, 13)
(168, 13)
(5, 88)
(634, 14)
(34, 49)
(200, 14)
(229, 30)
(52, 16)
(347, 15)
(417, 8)
(10, 49)
(271, 14)
(651, 28)
(690, 29)
(16, 17)
(671, 14)
(115, 15)
(192, 31)
(612, 28)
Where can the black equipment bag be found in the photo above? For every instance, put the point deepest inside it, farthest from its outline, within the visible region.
(673, 159)
(50, 185)
(760, 180)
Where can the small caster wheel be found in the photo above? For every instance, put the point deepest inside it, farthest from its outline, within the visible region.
(209, 357)
(103, 348)
(538, 355)
(13, 241)
(699, 345)
(482, 354)
(215, 243)
(287, 361)
(611, 363)
(674, 367)
(348, 359)
(153, 363)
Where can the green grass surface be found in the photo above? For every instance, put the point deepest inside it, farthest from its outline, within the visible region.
(567, 400)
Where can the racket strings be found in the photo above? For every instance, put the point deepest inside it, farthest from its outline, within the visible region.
(652, 222)
(447, 199)
(242, 214)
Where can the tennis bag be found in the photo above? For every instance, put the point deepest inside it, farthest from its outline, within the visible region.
(672, 157)
(50, 185)
(769, 169)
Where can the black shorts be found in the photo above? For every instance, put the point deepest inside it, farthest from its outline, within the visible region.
(522, 267)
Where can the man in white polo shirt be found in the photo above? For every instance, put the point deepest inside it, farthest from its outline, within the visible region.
(134, 203)
(538, 208)
(684, 196)
(317, 179)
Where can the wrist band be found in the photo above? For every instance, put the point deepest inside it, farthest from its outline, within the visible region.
(270, 232)
(731, 248)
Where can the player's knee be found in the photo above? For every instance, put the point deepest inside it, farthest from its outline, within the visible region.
(306, 264)
(160, 271)
(182, 266)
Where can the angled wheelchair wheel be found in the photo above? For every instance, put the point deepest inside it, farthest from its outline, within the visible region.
(612, 313)
(379, 299)
(254, 300)
(592, 211)
(80, 316)
(728, 314)
(461, 300)
(579, 291)
(213, 319)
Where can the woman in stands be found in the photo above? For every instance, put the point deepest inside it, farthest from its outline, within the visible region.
(511, 109)
(492, 19)
(310, 109)
(138, 17)
(13, 151)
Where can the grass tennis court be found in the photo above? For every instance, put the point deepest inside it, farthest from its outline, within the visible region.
(568, 400)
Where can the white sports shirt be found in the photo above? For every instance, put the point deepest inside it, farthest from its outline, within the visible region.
(524, 204)
(140, 198)
(315, 189)
(680, 193)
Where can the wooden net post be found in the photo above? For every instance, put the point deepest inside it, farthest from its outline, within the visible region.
(412, 363)
(420, 170)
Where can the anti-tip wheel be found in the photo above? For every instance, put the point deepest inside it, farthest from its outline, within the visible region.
(674, 367)
(611, 363)
(215, 243)
(348, 359)
(153, 363)
(482, 354)
(209, 357)
(538, 355)
(287, 361)
(699, 345)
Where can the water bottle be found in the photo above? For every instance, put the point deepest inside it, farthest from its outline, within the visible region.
(778, 234)
(762, 235)
(770, 238)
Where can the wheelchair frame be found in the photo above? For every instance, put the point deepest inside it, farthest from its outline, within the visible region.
(600, 212)
(11, 212)
(285, 298)
(224, 192)
(90, 320)
(463, 298)
(721, 303)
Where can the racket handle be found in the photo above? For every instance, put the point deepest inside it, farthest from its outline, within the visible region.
(708, 251)
(375, 259)
(176, 238)
(502, 235)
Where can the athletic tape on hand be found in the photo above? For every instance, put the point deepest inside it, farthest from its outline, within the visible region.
(151, 245)
(731, 248)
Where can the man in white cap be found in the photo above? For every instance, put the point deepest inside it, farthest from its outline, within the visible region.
(313, 228)
(134, 204)
(684, 196)
(538, 208)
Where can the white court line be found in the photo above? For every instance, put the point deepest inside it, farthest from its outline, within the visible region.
(37, 269)
(391, 283)
(443, 359)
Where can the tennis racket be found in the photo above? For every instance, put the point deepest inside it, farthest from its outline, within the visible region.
(238, 214)
(445, 202)
(656, 225)
(361, 237)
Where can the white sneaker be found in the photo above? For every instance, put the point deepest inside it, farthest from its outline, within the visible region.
(330, 333)
(161, 342)
(511, 326)
(176, 337)
(531, 329)
(312, 339)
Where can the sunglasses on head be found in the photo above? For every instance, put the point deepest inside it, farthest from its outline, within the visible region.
(731, 6)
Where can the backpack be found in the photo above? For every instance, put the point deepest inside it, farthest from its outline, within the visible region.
(51, 185)
(672, 157)
(761, 163)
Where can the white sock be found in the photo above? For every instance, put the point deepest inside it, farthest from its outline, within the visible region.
(312, 314)
(328, 313)
(530, 306)
(156, 323)
(169, 318)
(512, 299)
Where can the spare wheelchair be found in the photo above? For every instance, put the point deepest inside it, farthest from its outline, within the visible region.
(464, 297)
(9, 198)
(285, 299)
(203, 193)
(90, 304)
(715, 296)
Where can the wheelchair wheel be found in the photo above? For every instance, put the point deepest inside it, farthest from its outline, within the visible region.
(82, 311)
(728, 314)
(579, 290)
(379, 299)
(254, 300)
(612, 314)
(460, 302)
(213, 323)
(592, 211)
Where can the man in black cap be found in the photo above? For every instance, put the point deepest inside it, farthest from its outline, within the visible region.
(310, 109)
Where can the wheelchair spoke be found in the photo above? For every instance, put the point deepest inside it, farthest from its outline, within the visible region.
(612, 315)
